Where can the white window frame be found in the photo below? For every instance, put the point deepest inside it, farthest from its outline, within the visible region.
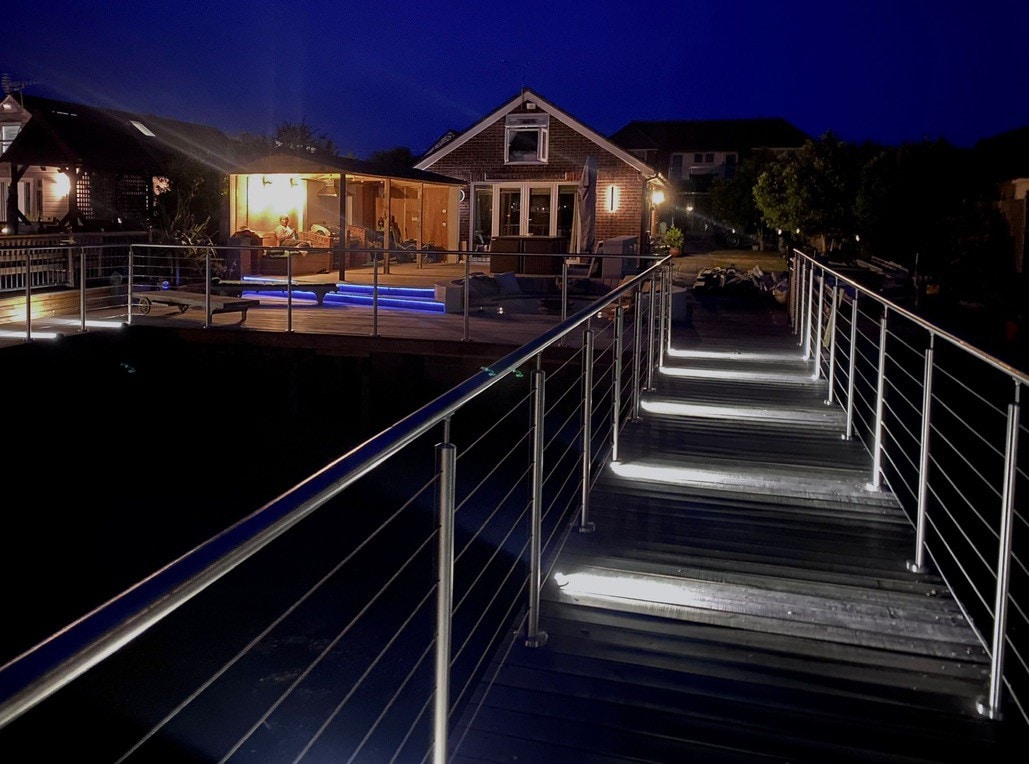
(538, 123)
(8, 132)
(523, 189)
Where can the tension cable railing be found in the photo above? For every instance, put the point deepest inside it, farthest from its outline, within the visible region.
(943, 423)
(388, 581)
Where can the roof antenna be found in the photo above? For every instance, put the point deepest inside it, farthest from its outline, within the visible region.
(15, 86)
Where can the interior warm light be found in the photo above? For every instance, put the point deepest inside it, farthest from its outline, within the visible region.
(62, 185)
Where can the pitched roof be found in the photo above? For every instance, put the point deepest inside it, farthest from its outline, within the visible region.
(285, 162)
(443, 146)
(712, 134)
(62, 133)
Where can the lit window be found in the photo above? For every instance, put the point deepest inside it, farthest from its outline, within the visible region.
(7, 134)
(525, 138)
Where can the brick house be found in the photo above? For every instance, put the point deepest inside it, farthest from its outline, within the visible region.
(523, 163)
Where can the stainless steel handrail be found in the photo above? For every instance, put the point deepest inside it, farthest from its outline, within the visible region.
(39, 672)
(986, 612)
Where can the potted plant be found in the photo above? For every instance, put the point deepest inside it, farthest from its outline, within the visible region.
(674, 239)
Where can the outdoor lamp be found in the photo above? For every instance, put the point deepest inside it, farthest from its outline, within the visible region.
(63, 185)
(612, 198)
(658, 196)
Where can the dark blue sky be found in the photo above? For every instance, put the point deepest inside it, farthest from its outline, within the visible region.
(374, 75)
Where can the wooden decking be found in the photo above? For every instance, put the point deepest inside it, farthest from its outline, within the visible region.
(744, 597)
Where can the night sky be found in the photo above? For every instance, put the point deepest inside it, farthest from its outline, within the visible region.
(384, 74)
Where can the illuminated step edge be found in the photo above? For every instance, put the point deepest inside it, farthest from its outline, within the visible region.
(778, 414)
(402, 303)
(780, 481)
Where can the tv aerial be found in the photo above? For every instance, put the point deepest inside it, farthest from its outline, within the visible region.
(14, 86)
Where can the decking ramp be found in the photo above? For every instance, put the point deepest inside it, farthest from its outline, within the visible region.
(744, 596)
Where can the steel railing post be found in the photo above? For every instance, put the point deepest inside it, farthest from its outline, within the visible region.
(446, 460)
(289, 292)
(795, 276)
(28, 295)
(585, 526)
(533, 636)
(637, 353)
(918, 564)
(852, 367)
(82, 289)
(660, 352)
(880, 394)
(207, 289)
(650, 333)
(991, 706)
(467, 293)
(819, 312)
(616, 390)
(128, 290)
(832, 341)
(375, 295)
(807, 312)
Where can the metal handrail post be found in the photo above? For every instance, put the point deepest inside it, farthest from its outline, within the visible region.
(616, 391)
(917, 565)
(289, 292)
(128, 290)
(533, 636)
(668, 316)
(819, 311)
(807, 312)
(585, 526)
(661, 322)
(467, 293)
(446, 459)
(637, 354)
(832, 342)
(795, 287)
(852, 366)
(802, 285)
(82, 289)
(207, 289)
(375, 296)
(28, 296)
(991, 706)
(880, 394)
(650, 333)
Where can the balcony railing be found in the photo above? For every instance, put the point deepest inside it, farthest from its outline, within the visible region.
(943, 422)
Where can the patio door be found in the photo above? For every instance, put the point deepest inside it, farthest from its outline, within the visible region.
(524, 209)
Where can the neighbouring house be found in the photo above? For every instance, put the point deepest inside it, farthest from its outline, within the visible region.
(335, 202)
(693, 153)
(85, 168)
(523, 164)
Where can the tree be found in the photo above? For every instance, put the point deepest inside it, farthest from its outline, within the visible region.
(812, 189)
(732, 199)
(398, 156)
(303, 138)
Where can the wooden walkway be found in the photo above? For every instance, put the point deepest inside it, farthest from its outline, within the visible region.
(744, 597)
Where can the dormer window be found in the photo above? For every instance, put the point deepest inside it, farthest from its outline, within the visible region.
(525, 138)
(7, 136)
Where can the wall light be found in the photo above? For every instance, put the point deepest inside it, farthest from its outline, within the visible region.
(266, 180)
(612, 198)
(658, 196)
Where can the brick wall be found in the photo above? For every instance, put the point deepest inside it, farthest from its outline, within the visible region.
(481, 159)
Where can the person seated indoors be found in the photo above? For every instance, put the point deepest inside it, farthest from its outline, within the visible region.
(284, 234)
